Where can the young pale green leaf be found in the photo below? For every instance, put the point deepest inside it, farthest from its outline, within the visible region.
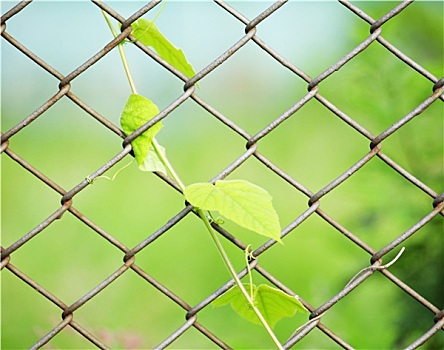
(244, 203)
(273, 303)
(137, 112)
(148, 34)
(152, 161)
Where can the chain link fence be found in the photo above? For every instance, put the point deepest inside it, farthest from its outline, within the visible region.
(379, 255)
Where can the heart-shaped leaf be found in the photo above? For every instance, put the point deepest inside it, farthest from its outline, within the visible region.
(244, 203)
(273, 303)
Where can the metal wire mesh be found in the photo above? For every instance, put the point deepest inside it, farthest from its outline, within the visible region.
(190, 93)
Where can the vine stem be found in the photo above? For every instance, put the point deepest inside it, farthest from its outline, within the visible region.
(200, 212)
(122, 54)
(167, 165)
(233, 273)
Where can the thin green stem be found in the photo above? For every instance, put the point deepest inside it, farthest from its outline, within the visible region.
(127, 71)
(158, 12)
(167, 165)
(150, 24)
(122, 54)
(110, 178)
(230, 267)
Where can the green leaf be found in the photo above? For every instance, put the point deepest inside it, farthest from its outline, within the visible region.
(244, 203)
(273, 303)
(148, 34)
(137, 112)
(152, 161)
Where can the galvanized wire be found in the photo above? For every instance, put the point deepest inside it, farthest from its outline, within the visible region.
(314, 198)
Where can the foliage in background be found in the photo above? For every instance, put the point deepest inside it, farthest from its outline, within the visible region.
(393, 90)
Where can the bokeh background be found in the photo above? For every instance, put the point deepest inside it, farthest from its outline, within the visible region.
(313, 146)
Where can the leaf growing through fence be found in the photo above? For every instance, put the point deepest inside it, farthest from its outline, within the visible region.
(273, 303)
(137, 112)
(246, 204)
(148, 34)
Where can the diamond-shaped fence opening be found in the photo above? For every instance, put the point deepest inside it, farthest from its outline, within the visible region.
(334, 107)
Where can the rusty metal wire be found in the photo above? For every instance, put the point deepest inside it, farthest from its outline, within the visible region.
(252, 141)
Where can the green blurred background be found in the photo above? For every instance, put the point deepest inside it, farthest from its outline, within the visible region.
(313, 146)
